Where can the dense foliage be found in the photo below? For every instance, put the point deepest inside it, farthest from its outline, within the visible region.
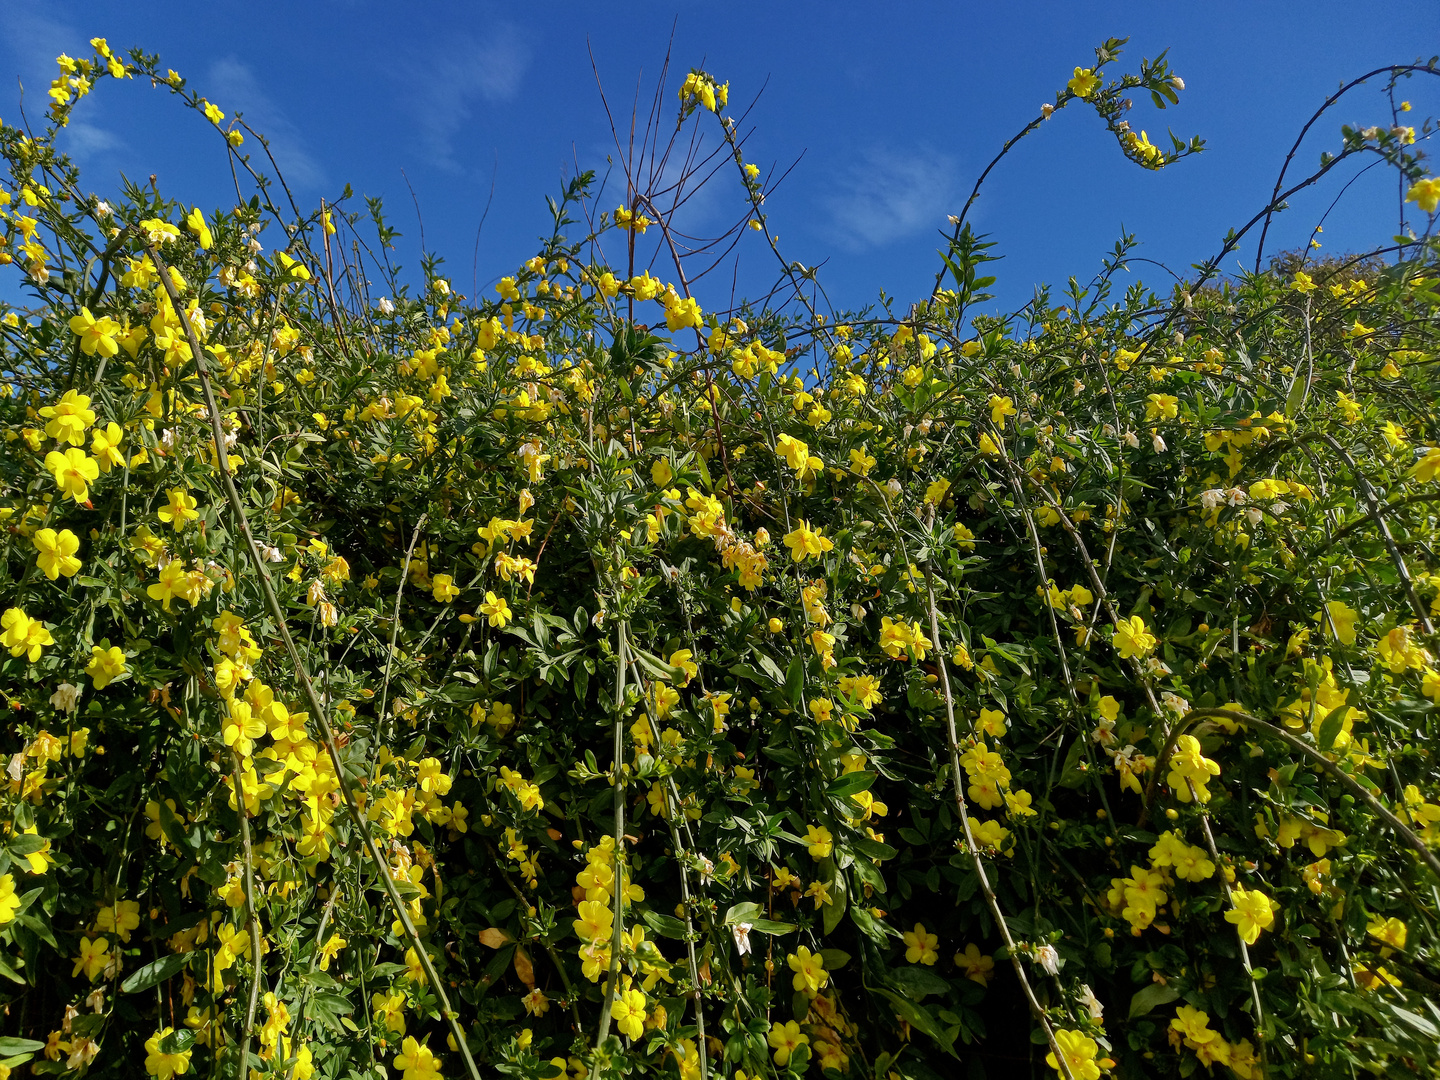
(615, 686)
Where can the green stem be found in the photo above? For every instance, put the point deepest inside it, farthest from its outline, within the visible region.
(252, 916)
(317, 709)
(1036, 1010)
(612, 984)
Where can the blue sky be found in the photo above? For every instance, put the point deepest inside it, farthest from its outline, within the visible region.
(891, 111)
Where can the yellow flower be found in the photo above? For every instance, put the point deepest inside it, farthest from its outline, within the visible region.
(174, 581)
(9, 902)
(989, 834)
(1000, 408)
(107, 663)
(1428, 467)
(806, 543)
(1194, 1026)
(94, 955)
(595, 921)
(57, 552)
(295, 269)
(242, 729)
(444, 588)
(71, 416)
(1083, 83)
(23, 635)
(1132, 639)
(96, 335)
(976, 966)
(988, 447)
(920, 946)
(1371, 976)
(496, 609)
(681, 659)
(1389, 932)
(416, 1061)
(785, 1039)
(810, 974)
(992, 722)
(819, 841)
(330, 950)
(628, 1012)
(195, 222)
(1162, 407)
(74, 471)
(120, 919)
(1188, 766)
(179, 509)
(795, 452)
(1340, 623)
(1252, 912)
(160, 1064)
(1425, 193)
(105, 447)
(1079, 1051)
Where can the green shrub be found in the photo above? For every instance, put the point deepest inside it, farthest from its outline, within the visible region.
(957, 691)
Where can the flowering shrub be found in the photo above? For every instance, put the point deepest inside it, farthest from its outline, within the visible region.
(425, 685)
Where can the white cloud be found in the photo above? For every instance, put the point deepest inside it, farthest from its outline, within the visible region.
(889, 195)
(32, 41)
(233, 87)
(84, 141)
(452, 76)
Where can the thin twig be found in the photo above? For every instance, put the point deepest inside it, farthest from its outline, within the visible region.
(252, 916)
(612, 984)
(1036, 1010)
(272, 602)
(395, 618)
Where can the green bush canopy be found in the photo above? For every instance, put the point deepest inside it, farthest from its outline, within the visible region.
(583, 681)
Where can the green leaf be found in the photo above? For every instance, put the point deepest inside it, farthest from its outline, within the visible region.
(655, 667)
(154, 973)
(1151, 997)
(1295, 400)
(916, 981)
(771, 669)
(26, 844)
(920, 1019)
(178, 1041)
(330, 1009)
(10, 1046)
(874, 848)
(842, 787)
(781, 755)
(794, 679)
(746, 912)
(1071, 775)
(868, 925)
(665, 925)
(1418, 1022)
(1330, 727)
(770, 926)
(835, 910)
